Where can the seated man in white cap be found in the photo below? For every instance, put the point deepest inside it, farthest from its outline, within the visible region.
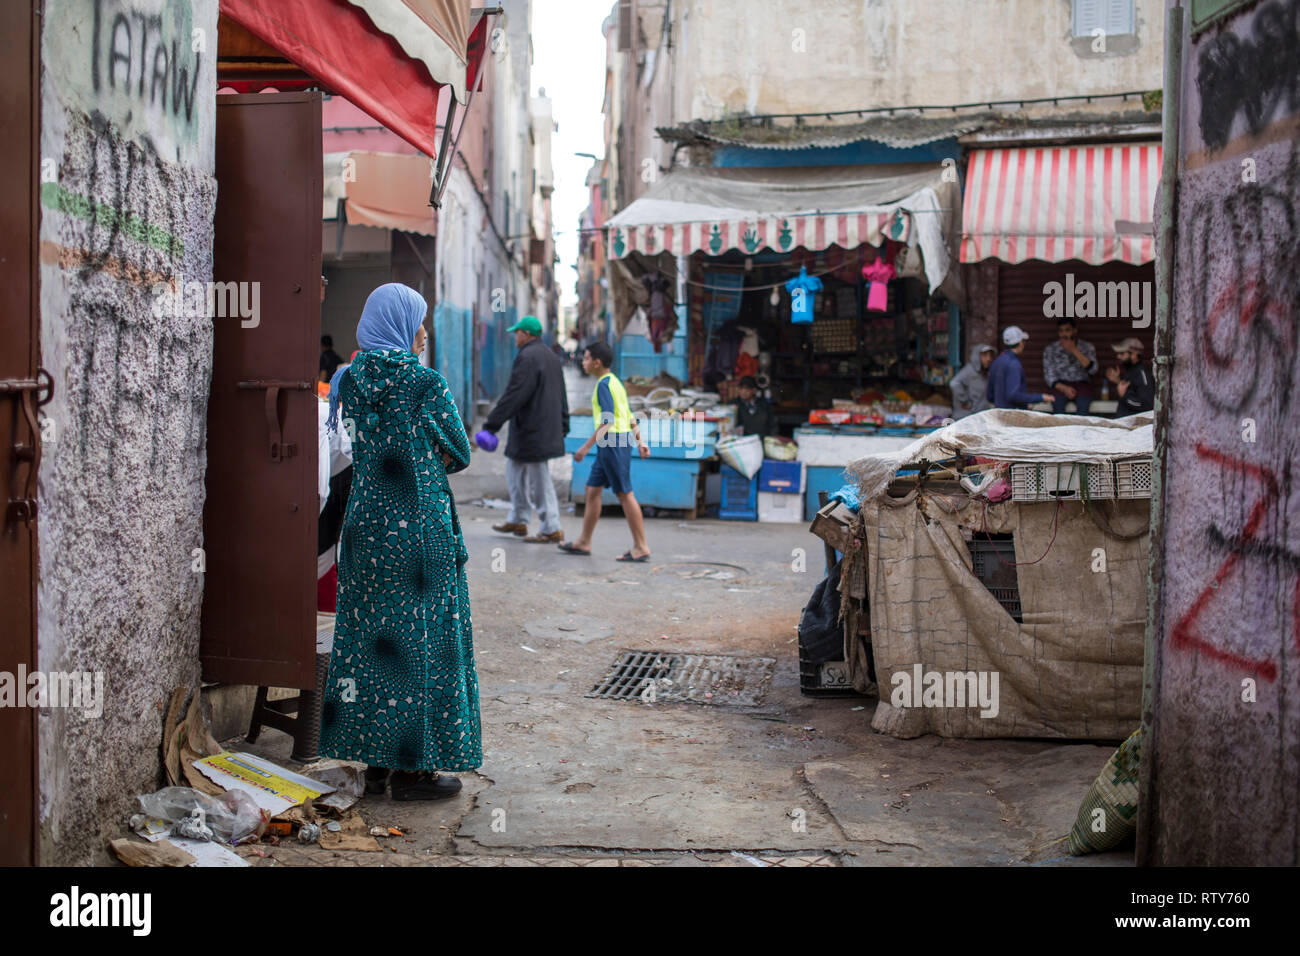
(1007, 383)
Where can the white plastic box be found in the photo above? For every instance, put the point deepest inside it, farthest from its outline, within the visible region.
(776, 507)
(1065, 481)
(1133, 478)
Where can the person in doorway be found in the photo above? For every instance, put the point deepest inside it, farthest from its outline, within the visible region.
(402, 693)
(1007, 383)
(970, 385)
(754, 415)
(329, 359)
(1134, 383)
(536, 404)
(615, 431)
(1068, 364)
(335, 473)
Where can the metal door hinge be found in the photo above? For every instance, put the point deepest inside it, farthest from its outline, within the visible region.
(28, 393)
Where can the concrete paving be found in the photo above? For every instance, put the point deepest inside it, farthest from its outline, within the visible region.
(567, 778)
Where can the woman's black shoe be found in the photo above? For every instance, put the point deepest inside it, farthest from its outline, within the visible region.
(423, 786)
(376, 779)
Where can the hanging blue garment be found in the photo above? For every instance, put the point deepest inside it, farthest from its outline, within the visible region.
(803, 291)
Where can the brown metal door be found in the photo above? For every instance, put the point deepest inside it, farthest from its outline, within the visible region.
(18, 361)
(259, 520)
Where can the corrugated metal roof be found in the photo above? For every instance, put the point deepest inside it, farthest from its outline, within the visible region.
(899, 132)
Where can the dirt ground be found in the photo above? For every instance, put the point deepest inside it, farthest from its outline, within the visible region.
(790, 781)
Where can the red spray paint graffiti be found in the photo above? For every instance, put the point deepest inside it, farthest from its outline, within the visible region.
(1184, 635)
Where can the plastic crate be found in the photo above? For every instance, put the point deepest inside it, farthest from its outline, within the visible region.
(824, 679)
(739, 496)
(783, 476)
(993, 561)
(1064, 481)
(1133, 478)
(780, 508)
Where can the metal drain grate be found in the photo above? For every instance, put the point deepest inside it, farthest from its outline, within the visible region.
(715, 679)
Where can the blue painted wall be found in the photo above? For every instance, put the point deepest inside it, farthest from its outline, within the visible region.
(453, 353)
(635, 355)
(854, 154)
(496, 354)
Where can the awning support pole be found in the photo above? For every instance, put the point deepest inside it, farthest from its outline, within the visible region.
(1163, 373)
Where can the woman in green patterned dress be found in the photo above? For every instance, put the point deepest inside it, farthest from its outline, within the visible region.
(402, 694)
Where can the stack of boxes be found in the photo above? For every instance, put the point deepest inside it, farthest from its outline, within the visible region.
(774, 494)
(780, 491)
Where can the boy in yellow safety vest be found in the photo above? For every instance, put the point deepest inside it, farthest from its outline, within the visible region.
(615, 430)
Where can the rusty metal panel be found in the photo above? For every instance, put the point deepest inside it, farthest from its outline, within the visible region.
(19, 344)
(259, 521)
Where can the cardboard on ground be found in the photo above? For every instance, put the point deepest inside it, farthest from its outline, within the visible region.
(273, 788)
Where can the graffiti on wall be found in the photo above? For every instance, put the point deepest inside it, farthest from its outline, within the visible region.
(1250, 78)
(1238, 326)
(144, 65)
(119, 220)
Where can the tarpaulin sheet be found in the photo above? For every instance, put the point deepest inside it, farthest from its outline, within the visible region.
(1012, 435)
(1071, 668)
(396, 81)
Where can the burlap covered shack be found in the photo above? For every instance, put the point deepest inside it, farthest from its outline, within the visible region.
(1072, 666)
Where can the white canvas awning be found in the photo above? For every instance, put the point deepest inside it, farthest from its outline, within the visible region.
(716, 210)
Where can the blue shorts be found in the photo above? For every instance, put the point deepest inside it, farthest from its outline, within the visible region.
(613, 469)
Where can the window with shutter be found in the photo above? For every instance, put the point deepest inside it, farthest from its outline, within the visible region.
(1114, 17)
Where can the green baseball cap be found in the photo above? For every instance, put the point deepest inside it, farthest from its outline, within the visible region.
(527, 324)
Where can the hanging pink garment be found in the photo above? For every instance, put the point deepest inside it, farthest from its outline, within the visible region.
(878, 274)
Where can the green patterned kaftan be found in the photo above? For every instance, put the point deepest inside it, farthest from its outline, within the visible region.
(402, 692)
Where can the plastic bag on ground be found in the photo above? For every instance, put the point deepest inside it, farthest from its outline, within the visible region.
(233, 816)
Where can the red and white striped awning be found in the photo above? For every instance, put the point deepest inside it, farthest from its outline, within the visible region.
(1055, 203)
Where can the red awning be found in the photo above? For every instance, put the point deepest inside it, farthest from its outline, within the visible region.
(395, 77)
(1093, 203)
(380, 189)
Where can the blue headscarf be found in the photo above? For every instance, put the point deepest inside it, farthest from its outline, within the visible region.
(390, 319)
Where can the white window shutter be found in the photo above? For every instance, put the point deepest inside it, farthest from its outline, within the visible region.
(1087, 15)
(1120, 20)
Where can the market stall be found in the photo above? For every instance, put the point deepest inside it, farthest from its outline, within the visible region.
(1003, 556)
(831, 287)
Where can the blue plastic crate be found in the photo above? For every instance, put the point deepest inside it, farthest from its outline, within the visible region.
(739, 496)
(785, 477)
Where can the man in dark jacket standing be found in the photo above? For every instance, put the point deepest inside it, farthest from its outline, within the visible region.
(537, 406)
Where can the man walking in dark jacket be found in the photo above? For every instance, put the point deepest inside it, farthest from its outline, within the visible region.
(1134, 382)
(537, 406)
(1007, 376)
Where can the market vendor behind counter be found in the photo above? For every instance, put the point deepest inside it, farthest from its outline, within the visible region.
(754, 415)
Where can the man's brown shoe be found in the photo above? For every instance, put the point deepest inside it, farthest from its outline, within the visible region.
(539, 538)
(509, 527)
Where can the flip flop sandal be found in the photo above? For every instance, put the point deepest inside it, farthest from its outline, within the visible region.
(570, 549)
(627, 557)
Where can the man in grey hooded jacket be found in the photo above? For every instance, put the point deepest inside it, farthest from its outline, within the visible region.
(970, 384)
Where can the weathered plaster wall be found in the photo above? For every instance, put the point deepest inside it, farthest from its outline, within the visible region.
(792, 57)
(1225, 779)
(127, 199)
